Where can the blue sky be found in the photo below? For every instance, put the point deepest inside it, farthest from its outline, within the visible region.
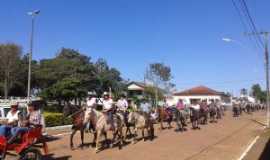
(130, 34)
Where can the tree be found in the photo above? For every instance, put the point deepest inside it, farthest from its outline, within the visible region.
(257, 92)
(68, 70)
(159, 75)
(107, 78)
(9, 59)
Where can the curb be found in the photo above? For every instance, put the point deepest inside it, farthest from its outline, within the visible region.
(58, 127)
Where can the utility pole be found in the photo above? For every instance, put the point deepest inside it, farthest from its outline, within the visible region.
(266, 56)
(33, 15)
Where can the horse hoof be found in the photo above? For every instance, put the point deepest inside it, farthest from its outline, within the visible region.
(96, 150)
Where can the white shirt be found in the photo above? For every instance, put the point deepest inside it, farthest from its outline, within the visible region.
(107, 103)
(12, 117)
(196, 107)
(91, 102)
(122, 104)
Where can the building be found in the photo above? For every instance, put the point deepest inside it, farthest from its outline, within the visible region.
(199, 93)
(136, 89)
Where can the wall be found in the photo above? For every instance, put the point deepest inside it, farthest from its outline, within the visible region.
(187, 99)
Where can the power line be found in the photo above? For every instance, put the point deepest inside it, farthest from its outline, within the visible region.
(252, 22)
(245, 21)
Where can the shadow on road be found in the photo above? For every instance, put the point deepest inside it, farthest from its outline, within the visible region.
(266, 152)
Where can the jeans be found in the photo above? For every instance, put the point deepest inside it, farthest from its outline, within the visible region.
(18, 130)
(5, 130)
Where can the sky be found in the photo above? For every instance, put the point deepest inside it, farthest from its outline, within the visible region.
(131, 34)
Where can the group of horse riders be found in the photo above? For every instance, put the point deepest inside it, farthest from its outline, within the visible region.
(102, 114)
(197, 111)
(241, 105)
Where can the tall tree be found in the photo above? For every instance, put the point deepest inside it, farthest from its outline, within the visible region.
(9, 59)
(160, 76)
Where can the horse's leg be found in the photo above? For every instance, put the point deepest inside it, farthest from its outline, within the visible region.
(94, 138)
(135, 135)
(106, 139)
(161, 124)
(178, 122)
(143, 135)
(82, 137)
(120, 136)
(71, 138)
(97, 141)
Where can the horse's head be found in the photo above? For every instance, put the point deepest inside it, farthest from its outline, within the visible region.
(66, 110)
(69, 109)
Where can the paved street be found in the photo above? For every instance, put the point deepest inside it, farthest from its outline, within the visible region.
(224, 140)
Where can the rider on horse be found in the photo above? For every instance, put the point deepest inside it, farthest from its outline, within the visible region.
(145, 107)
(108, 109)
(181, 107)
(91, 103)
(122, 106)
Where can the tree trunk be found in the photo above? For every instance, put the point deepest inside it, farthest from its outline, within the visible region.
(6, 88)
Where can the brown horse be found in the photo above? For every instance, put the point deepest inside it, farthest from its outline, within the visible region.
(164, 115)
(77, 115)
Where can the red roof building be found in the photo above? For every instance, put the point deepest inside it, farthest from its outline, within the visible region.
(200, 90)
(198, 94)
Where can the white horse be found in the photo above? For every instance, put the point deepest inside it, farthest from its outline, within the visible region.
(141, 122)
(102, 126)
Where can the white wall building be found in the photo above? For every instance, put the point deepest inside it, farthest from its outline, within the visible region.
(198, 93)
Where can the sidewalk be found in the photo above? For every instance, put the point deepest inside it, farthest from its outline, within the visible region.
(261, 149)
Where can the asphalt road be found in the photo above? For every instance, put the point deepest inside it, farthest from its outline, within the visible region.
(225, 140)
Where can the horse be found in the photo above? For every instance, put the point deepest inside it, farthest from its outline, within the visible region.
(141, 121)
(194, 117)
(77, 115)
(236, 110)
(213, 113)
(180, 118)
(164, 114)
(203, 115)
(102, 126)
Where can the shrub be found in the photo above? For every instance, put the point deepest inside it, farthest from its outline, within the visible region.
(53, 108)
(56, 119)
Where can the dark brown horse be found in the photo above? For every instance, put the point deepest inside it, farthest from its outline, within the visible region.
(164, 115)
(77, 115)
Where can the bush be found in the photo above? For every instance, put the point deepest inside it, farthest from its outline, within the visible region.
(53, 108)
(56, 119)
